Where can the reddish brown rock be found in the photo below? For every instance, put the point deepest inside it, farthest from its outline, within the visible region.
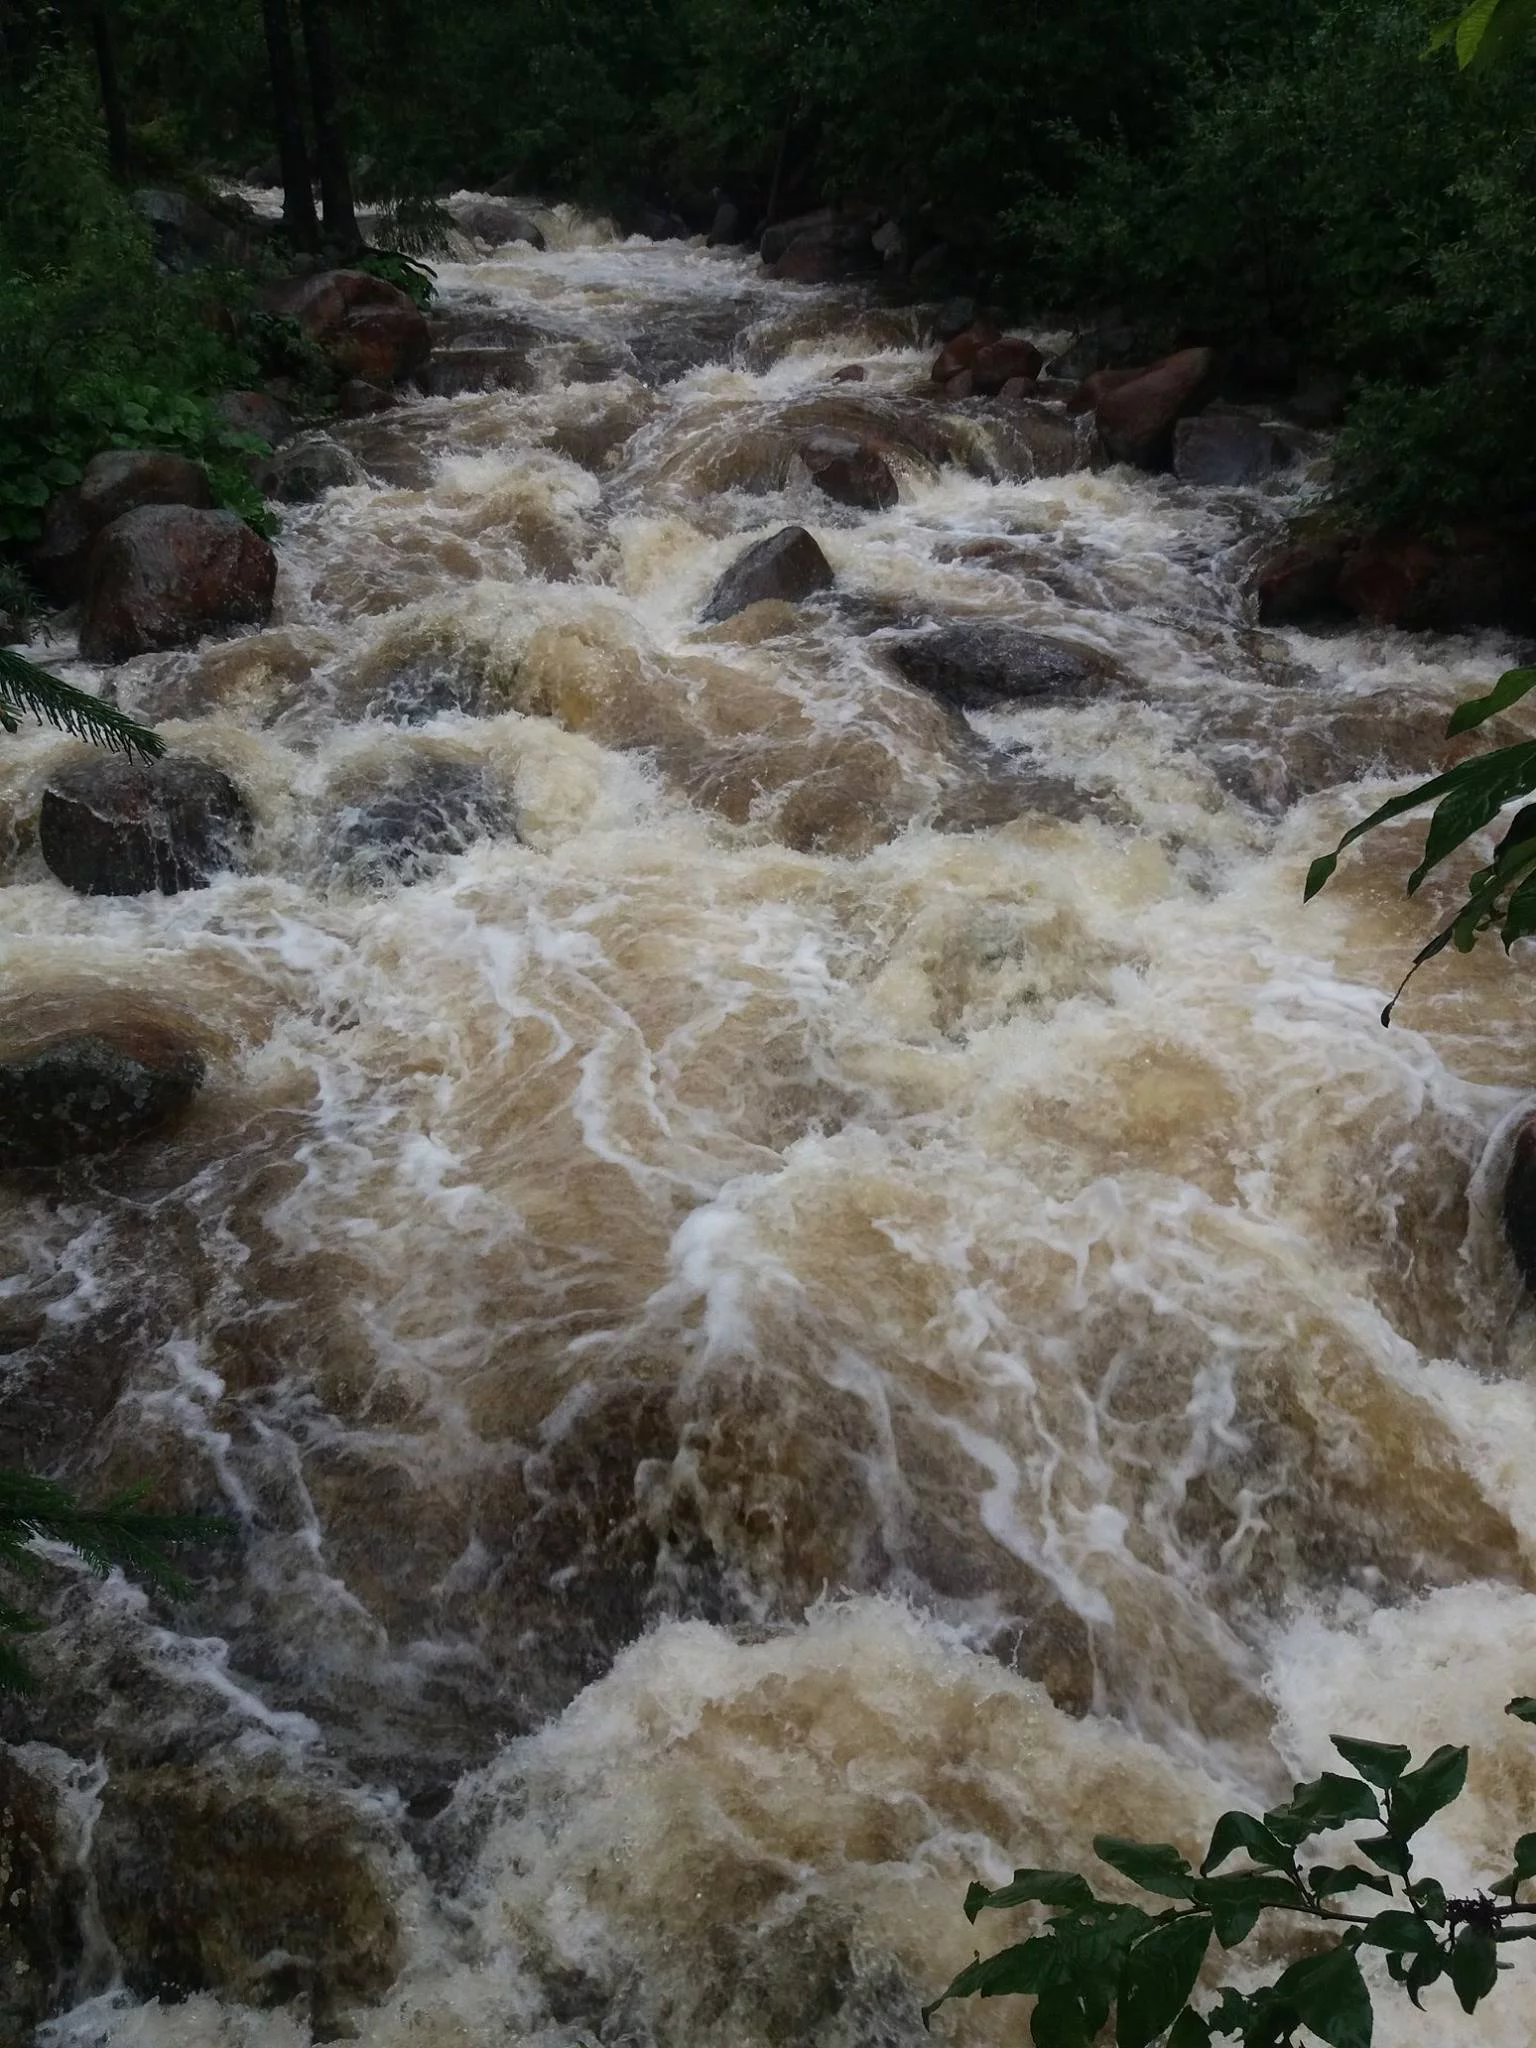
(367, 327)
(1471, 577)
(997, 363)
(165, 575)
(1098, 386)
(1297, 583)
(850, 471)
(961, 385)
(110, 826)
(117, 481)
(1137, 418)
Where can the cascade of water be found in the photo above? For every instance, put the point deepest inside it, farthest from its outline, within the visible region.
(831, 1294)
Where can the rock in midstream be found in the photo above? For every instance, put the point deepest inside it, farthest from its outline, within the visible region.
(787, 565)
(115, 827)
(83, 1094)
(978, 665)
(850, 472)
(425, 810)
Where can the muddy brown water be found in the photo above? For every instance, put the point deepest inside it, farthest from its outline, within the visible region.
(836, 1297)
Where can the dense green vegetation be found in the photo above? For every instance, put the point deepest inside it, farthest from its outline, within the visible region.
(1098, 1956)
(1303, 183)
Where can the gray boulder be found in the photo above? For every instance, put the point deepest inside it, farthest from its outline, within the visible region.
(110, 826)
(304, 470)
(977, 665)
(425, 809)
(787, 565)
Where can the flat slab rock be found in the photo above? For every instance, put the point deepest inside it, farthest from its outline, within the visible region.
(980, 666)
(80, 1095)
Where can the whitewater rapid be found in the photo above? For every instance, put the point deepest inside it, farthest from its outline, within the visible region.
(847, 1296)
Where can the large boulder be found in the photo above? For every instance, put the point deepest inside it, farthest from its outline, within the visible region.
(1002, 362)
(213, 1877)
(1137, 419)
(1297, 582)
(821, 249)
(368, 328)
(850, 471)
(304, 470)
(496, 222)
(165, 575)
(426, 808)
(115, 827)
(83, 1094)
(1466, 578)
(1520, 1203)
(787, 565)
(1224, 448)
(1097, 385)
(255, 412)
(117, 481)
(981, 665)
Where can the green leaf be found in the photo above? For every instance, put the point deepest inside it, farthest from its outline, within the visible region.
(1419, 1795)
(1328, 1880)
(1048, 1887)
(1523, 1709)
(1506, 761)
(1428, 1894)
(1514, 684)
(1399, 1930)
(1479, 790)
(1155, 1866)
(1328, 1994)
(1331, 1801)
(1022, 1969)
(1189, 2031)
(1423, 1971)
(1525, 1857)
(1058, 2020)
(1157, 1976)
(1391, 1855)
(1474, 1966)
(1383, 1763)
(1245, 1831)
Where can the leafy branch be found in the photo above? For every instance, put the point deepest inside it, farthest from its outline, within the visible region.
(118, 1535)
(24, 687)
(1098, 1956)
(1467, 797)
(1486, 32)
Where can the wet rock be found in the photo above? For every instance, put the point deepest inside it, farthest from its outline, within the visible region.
(213, 1877)
(357, 398)
(776, 239)
(497, 223)
(978, 665)
(954, 317)
(850, 471)
(255, 412)
(656, 223)
(452, 372)
(725, 228)
(959, 353)
(820, 248)
(1467, 578)
(426, 809)
(850, 373)
(306, 469)
(165, 575)
(369, 329)
(118, 481)
(1137, 418)
(1001, 362)
(1097, 385)
(1224, 448)
(1520, 1203)
(43, 1889)
(115, 827)
(1296, 583)
(961, 385)
(787, 565)
(82, 1094)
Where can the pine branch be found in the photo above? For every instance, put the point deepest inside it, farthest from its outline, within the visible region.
(24, 687)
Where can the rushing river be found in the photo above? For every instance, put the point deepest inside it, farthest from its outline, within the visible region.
(845, 1297)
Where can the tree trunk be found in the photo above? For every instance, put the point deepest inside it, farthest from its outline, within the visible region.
(111, 93)
(335, 179)
(288, 119)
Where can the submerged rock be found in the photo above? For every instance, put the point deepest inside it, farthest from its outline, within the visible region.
(306, 469)
(83, 1094)
(165, 575)
(115, 827)
(215, 1877)
(787, 565)
(40, 1934)
(978, 665)
(425, 809)
(850, 471)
